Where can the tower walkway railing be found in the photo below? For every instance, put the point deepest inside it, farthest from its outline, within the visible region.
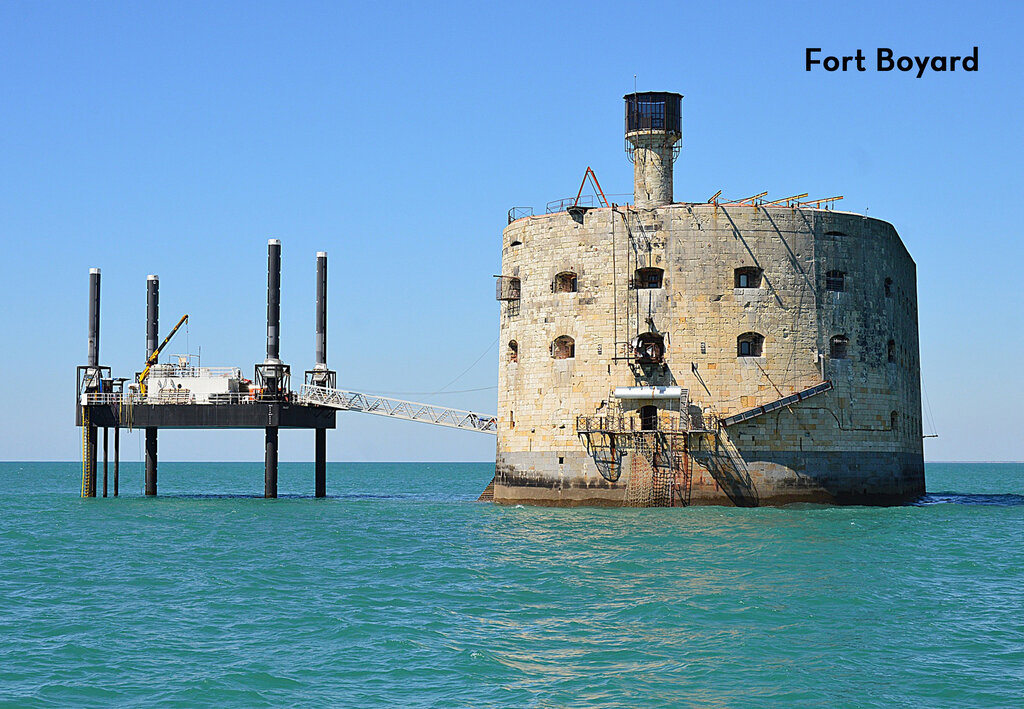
(396, 408)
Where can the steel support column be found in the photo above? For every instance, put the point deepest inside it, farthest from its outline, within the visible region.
(320, 464)
(151, 461)
(270, 475)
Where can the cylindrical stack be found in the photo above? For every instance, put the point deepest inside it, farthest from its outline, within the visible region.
(321, 309)
(152, 314)
(320, 435)
(653, 127)
(94, 317)
(272, 375)
(93, 376)
(273, 301)
(152, 342)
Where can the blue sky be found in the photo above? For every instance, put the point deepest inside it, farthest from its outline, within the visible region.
(177, 138)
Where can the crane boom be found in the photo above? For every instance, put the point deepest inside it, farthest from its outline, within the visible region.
(156, 354)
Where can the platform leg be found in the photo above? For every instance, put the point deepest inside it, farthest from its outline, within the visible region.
(151, 461)
(117, 456)
(320, 464)
(90, 447)
(270, 476)
(106, 432)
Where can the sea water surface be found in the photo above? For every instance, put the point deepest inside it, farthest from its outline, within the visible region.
(401, 590)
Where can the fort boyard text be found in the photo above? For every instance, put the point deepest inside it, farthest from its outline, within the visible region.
(886, 60)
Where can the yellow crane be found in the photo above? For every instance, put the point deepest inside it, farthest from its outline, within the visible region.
(156, 353)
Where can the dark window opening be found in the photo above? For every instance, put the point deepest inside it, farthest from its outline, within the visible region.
(649, 348)
(565, 282)
(564, 347)
(839, 347)
(748, 277)
(749, 344)
(891, 347)
(649, 418)
(561, 460)
(888, 288)
(835, 281)
(648, 278)
(513, 351)
(894, 419)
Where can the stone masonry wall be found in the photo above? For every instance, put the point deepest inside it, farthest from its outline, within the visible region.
(814, 450)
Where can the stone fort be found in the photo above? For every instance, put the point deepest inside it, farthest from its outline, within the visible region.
(742, 352)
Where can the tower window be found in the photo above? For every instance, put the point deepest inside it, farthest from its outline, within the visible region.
(564, 347)
(891, 348)
(749, 344)
(565, 282)
(748, 277)
(648, 278)
(513, 351)
(894, 419)
(835, 281)
(888, 288)
(839, 347)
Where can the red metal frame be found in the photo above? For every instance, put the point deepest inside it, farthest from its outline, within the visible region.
(597, 185)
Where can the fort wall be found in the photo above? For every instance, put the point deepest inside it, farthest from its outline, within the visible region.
(858, 442)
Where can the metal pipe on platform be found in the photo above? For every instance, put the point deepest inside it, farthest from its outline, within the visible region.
(321, 309)
(152, 342)
(273, 300)
(152, 314)
(94, 317)
(270, 476)
(93, 376)
(320, 440)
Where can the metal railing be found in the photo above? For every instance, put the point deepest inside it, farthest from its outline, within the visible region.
(136, 399)
(517, 213)
(173, 370)
(666, 422)
(396, 408)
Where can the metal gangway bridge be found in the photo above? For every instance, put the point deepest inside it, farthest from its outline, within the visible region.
(398, 409)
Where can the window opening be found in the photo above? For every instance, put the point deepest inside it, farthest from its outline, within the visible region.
(749, 344)
(564, 347)
(565, 282)
(649, 348)
(513, 351)
(649, 418)
(891, 347)
(835, 281)
(888, 288)
(748, 277)
(839, 347)
(648, 278)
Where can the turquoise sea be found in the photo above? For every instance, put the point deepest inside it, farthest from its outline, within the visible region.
(400, 590)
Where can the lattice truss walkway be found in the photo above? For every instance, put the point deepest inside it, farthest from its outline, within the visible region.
(396, 408)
